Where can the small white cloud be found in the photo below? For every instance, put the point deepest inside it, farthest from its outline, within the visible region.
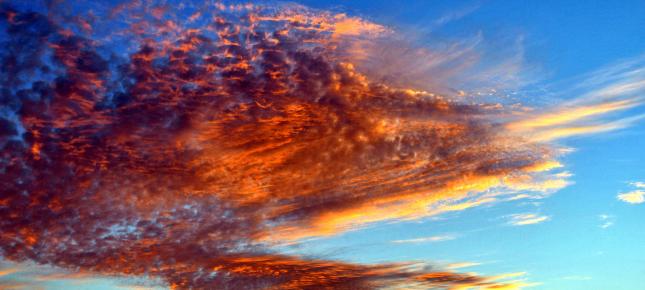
(527, 219)
(633, 197)
(426, 239)
(638, 184)
(606, 220)
(519, 196)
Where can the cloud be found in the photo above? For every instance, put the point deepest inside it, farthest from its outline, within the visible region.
(426, 239)
(188, 152)
(602, 93)
(12, 285)
(26, 275)
(633, 197)
(7, 271)
(516, 280)
(638, 184)
(455, 15)
(143, 141)
(527, 219)
(561, 124)
(607, 220)
(460, 265)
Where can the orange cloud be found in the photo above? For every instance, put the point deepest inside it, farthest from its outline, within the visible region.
(189, 154)
(569, 115)
(8, 271)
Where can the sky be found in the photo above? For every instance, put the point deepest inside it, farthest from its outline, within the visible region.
(322, 145)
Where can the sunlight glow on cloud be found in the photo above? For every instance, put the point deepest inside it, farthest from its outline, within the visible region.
(23, 276)
(185, 144)
(460, 265)
(567, 116)
(603, 93)
(633, 197)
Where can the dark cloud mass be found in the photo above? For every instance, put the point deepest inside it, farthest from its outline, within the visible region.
(143, 139)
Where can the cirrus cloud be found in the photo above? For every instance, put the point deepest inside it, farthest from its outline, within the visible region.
(527, 219)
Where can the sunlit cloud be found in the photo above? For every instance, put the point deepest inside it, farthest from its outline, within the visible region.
(7, 271)
(605, 92)
(567, 116)
(633, 197)
(211, 137)
(13, 285)
(527, 219)
(186, 143)
(28, 275)
(461, 265)
(516, 280)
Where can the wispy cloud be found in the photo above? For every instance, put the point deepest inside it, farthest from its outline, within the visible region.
(527, 219)
(638, 184)
(515, 281)
(8, 271)
(430, 239)
(606, 220)
(15, 285)
(33, 276)
(455, 15)
(461, 265)
(601, 95)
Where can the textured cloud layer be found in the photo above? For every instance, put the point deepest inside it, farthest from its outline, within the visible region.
(181, 143)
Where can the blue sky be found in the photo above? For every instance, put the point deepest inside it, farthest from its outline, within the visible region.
(539, 53)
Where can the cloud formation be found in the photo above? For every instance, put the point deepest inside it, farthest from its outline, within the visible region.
(27, 275)
(183, 143)
(527, 219)
(430, 239)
